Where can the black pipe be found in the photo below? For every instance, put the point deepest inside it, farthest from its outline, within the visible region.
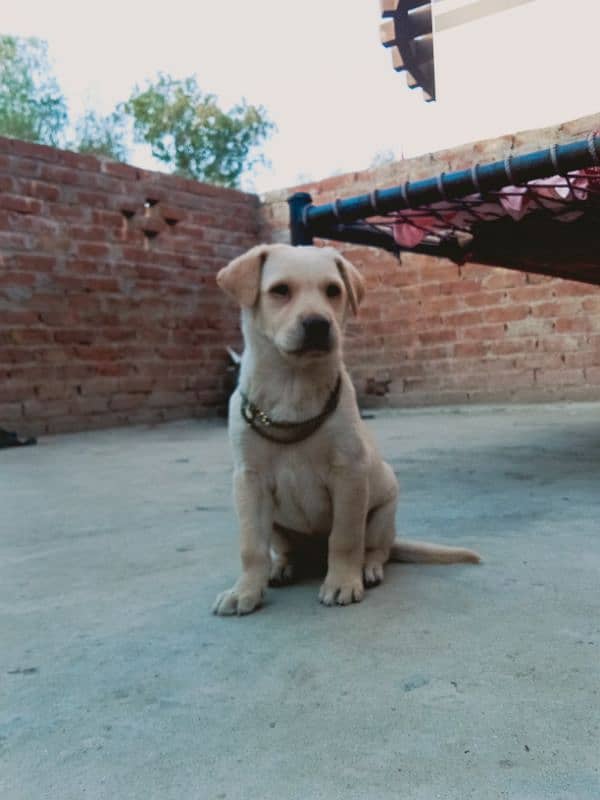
(300, 234)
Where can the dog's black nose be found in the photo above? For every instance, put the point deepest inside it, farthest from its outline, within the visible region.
(316, 333)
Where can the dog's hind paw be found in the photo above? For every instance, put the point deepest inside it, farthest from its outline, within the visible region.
(282, 573)
(372, 574)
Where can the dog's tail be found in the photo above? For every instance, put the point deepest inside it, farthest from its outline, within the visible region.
(425, 553)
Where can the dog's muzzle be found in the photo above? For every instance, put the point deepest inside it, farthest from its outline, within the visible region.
(316, 334)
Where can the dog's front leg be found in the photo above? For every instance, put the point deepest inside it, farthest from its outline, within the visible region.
(343, 583)
(254, 506)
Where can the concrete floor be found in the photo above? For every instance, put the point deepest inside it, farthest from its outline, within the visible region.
(446, 682)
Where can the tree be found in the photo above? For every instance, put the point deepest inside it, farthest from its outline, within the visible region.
(31, 104)
(187, 130)
(101, 136)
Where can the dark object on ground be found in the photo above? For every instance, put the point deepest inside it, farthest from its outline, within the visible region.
(231, 377)
(10, 439)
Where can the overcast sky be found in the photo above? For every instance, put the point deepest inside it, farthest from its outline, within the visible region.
(318, 67)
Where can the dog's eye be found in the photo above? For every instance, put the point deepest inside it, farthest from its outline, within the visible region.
(281, 289)
(333, 290)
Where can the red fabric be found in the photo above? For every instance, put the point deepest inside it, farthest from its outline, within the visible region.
(552, 193)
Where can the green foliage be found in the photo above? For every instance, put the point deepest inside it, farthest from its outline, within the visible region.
(185, 128)
(31, 104)
(188, 131)
(101, 136)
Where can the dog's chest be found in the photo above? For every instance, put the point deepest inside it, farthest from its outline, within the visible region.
(302, 500)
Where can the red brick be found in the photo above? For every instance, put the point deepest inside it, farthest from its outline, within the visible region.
(93, 250)
(165, 399)
(592, 375)
(40, 190)
(508, 313)
(16, 355)
(133, 385)
(35, 262)
(541, 279)
(80, 161)
(97, 353)
(573, 324)
(573, 289)
(74, 336)
(14, 391)
(22, 205)
(528, 294)
(470, 349)
(482, 299)
(10, 318)
(483, 332)
(510, 380)
(40, 152)
(464, 318)
(88, 405)
(53, 390)
(123, 402)
(35, 408)
(30, 336)
(121, 170)
(556, 308)
(592, 304)
(17, 279)
(10, 412)
(581, 358)
(504, 279)
(459, 287)
(437, 336)
(559, 377)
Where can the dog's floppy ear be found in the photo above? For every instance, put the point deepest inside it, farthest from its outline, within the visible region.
(240, 279)
(353, 281)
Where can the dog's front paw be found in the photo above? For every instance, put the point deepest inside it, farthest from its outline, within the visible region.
(238, 601)
(341, 591)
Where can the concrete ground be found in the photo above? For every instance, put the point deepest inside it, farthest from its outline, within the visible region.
(446, 682)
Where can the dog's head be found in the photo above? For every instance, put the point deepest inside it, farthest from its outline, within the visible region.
(297, 297)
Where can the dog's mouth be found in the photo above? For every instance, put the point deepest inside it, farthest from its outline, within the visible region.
(312, 350)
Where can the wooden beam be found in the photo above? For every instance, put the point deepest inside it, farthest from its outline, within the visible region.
(387, 32)
(422, 48)
(388, 6)
(411, 80)
(397, 60)
(420, 21)
(473, 11)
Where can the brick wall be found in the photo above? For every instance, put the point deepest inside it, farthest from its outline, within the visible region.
(109, 312)
(431, 332)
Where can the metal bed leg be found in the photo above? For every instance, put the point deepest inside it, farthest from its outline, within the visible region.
(299, 232)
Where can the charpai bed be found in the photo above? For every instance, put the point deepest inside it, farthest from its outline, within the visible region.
(538, 212)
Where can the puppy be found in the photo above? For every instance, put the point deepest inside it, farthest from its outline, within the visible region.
(307, 475)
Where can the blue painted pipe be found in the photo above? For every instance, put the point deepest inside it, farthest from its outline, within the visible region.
(307, 220)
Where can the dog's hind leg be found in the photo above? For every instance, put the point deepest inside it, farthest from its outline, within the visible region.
(282, 565)
(381, 531)
(379, 537)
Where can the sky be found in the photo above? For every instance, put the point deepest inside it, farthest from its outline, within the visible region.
(321, 72)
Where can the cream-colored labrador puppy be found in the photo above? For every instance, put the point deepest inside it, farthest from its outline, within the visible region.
(305, 467)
